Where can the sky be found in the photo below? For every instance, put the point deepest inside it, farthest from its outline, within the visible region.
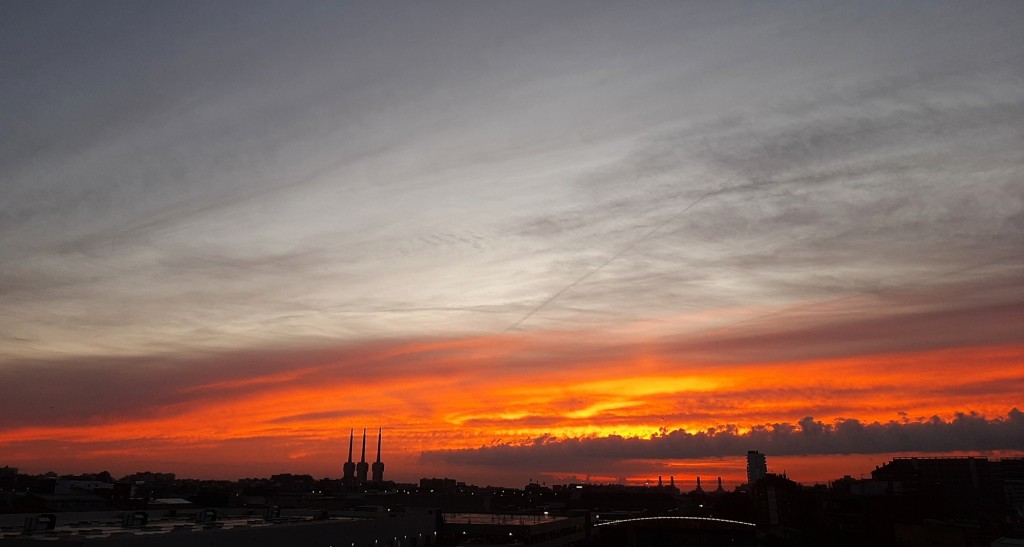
(543, 241)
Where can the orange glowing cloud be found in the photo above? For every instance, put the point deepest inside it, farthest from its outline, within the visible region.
(467, 393)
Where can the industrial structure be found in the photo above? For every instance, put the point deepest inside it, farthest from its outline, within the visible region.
(349, 478)
(362, 468)
(378, 466)
(355, 474)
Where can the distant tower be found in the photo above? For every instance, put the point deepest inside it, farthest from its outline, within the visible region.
(700, 489)
(720, 489)
(350, 467)
(362, 467)
(660, 484)
(672, 481)
(757, 467)
(378, 466)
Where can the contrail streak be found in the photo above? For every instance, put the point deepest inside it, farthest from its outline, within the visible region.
(722, 187)
(601, 266)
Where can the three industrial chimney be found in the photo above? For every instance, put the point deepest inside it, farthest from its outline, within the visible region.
(355, 474)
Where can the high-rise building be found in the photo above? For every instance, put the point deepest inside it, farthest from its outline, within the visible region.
(378, 466)
(349, 479)
(362, 467)
(757, 467)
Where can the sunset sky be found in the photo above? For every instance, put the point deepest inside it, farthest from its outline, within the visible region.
(531, 240)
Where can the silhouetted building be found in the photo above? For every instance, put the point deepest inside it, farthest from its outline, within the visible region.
(362, 467)
(757, 467)
(8, 479)
(349, 478)
(439, 485)
(964, 480)
(784, 508)
(498, 529)
(378, 466)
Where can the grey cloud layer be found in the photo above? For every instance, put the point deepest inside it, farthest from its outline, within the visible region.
(965, 432)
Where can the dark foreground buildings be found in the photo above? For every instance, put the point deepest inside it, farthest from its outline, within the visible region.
(941, 502)
(962, 482)
(271, 528)
(912, 502)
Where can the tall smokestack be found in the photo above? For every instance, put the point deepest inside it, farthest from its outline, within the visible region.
(351, 434)
(349, 479)
(380, 433)
(362, 458)
(378, 466)
(362, 467)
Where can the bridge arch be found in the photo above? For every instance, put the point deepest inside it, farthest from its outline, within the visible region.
(676, 518)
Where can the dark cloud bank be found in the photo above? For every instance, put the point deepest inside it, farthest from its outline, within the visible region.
(965, 432)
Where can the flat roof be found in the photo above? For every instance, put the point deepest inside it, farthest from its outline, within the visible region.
(110, 526)
(498, 518)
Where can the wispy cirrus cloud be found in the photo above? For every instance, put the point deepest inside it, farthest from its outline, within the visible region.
(473, 191)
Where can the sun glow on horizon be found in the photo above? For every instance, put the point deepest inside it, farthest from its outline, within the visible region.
(310, 408)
